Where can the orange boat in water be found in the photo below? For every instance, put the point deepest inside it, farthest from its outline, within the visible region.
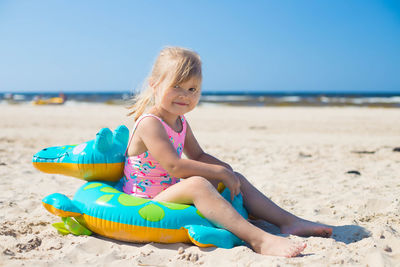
(59, 100)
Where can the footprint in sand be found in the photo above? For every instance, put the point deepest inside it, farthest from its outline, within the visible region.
(30, 245)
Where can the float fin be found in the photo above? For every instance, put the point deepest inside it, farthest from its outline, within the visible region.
(74, 227)
(103, 141)
(121, 134)
(61, 228)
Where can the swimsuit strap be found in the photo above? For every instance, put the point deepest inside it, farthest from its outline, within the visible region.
(183, 120)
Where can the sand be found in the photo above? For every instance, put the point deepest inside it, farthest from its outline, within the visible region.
(299, 157)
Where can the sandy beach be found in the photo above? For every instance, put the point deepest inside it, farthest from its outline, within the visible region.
(335, 165)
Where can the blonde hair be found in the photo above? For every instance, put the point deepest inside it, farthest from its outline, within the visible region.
(173, 66)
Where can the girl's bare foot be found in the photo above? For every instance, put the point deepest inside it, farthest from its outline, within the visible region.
(272, 245)
(301, 227)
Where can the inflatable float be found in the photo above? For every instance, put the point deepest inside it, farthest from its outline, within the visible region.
(100, 206)
(102, 158)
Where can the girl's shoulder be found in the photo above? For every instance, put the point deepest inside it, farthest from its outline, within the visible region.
(147, 121)
(146, 127)
(148, 115)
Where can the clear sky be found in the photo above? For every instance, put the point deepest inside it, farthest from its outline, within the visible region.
(282, 45)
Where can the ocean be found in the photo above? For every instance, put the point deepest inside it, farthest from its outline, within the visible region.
(244, 98)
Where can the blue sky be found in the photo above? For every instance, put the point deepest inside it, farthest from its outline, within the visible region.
(289, 46)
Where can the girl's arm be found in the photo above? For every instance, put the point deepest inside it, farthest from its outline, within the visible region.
(154, 137)
(207, 158)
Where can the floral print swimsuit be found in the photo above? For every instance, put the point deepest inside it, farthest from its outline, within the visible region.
(143, 175)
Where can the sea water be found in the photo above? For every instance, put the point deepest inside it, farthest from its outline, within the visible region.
(237, 98)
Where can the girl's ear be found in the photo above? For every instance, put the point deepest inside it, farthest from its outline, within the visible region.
(153, 86)
(151, 82)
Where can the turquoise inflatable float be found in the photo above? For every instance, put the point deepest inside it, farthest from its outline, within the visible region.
(100, 206)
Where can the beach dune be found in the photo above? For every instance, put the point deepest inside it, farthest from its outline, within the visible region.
(336, 165)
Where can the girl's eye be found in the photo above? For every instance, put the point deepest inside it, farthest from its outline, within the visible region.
(176, 86)
(192, 90)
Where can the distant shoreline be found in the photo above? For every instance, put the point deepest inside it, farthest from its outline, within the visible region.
(234, 98)
(211, 92)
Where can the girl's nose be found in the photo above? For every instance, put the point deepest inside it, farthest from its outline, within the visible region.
(184, 94)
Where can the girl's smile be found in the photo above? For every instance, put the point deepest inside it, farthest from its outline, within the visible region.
(181, 104)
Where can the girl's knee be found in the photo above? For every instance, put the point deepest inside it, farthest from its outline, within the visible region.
(243, 180)
(199, 183)
(240, 176)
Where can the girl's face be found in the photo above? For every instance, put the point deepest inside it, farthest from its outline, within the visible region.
(180, 98)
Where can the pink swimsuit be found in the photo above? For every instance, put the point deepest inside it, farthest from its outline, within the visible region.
(143, 175)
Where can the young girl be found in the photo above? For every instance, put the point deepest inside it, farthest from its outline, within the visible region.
(154, 167)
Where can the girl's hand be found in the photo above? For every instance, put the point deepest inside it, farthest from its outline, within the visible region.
(232, 182)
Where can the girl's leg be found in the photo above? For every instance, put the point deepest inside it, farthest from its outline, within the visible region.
(259, 206)
(200, 192)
